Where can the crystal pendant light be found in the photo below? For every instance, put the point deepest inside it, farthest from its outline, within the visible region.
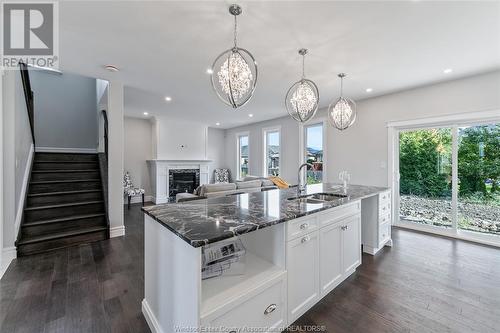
(234, 71)
(342, 112)
(302, 98)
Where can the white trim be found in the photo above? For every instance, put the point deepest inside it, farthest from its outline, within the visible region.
(150, 318)
(65, 150)
(24, 188)
(117, 231)
(491, 240)
(302, 142)
(138, 199)
(238, 169)
(8, 254)
(458, 119)
(266, 130)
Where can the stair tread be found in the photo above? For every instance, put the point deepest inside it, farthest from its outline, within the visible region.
(62, 219)
(32, 195)
(43, 238)
(64, 170)
(78, 203)
(65, 181)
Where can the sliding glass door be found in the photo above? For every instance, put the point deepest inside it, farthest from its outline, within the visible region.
(449, 179)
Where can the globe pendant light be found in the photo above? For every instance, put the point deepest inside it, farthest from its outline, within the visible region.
(342, 112)
(301, 100)
(234, 71)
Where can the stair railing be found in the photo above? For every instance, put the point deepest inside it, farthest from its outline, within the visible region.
(28, 96)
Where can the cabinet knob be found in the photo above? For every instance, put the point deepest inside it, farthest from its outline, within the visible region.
(304, 239)
(270, 309)
(304, 226)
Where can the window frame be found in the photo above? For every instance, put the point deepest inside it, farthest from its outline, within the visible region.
(238, 150)
(265, 131)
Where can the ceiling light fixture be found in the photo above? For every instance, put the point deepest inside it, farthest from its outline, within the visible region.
(217, 124)
(369, 90)
(145, 113)
(168, 98)
(112, 68)
(250, 115)
(448, 71)
(342, 112)
(234, 71)
(209, 71)
(302, 99)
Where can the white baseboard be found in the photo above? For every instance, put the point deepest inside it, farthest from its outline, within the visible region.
(8, 254)
(150, 318)
(65, 150)
(117, 231)
(24, 188)
(138, 199)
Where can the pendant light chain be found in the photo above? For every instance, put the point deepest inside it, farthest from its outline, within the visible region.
(341, 85)
(303, 66)
(235, 30)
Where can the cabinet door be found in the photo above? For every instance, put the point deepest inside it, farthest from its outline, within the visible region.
(303, 274)
(351, 244)
(330, 257)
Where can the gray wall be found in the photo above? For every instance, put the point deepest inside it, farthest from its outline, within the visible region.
(216, 150)
(137, 149)
(65, 110)
(362, 149)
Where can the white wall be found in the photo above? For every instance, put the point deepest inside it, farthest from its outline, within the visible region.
(362, 149)
(65, 110)
(216, 150)
(289, 147)
(137, 149)
(180, 139)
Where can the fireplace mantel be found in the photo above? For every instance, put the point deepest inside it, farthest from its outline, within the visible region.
(159, 169)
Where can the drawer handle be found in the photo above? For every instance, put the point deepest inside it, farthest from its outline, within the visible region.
(304, 226)
(270, 309)
(344, 227)
(304, 239)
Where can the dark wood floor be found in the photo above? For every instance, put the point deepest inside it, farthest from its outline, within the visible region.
(423, 284)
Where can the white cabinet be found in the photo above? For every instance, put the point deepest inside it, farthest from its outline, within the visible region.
(351, 243)
(302, 264)
(377, 218)
(330, 248)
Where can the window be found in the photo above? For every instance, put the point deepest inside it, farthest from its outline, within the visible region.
(243, 152)
(446, 177)
(272, 152)
(313, 152)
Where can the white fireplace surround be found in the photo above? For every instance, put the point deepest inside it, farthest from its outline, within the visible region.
(159, 170)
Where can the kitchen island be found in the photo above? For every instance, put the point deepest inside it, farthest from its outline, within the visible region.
(298, 249)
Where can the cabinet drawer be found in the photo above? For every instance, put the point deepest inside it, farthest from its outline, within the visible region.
(384, 196)
(266, 309)
(384, 208)
(383, 219)
(339, 213)
(301, 226)
(384, 232)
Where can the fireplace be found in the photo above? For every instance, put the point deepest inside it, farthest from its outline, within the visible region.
(182, 180)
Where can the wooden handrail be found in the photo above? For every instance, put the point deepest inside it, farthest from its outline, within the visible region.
(28, 96)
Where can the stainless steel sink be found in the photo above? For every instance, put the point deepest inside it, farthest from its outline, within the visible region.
(328, 196)
(307, 200)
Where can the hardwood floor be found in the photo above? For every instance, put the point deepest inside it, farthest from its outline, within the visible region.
(423, 284)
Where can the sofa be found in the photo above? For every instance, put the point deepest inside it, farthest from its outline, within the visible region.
(248, 185)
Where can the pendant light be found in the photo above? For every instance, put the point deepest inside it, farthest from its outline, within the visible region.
(342, 112)
(302, 99)
(234, 71)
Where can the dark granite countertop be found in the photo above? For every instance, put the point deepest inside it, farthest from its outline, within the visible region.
(210, 220)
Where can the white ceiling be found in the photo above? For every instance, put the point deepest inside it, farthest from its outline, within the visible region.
(164, 48)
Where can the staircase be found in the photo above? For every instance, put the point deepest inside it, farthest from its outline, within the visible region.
(64, 205)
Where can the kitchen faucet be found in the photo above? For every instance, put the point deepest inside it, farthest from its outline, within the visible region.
(302, 183)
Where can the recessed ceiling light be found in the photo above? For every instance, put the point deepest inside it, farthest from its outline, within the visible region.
(145, 113)
(448, 71)
(217, 124)
(250, 115)
(209, 71)
(369, 90)
(168, 98)
(111, 68)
